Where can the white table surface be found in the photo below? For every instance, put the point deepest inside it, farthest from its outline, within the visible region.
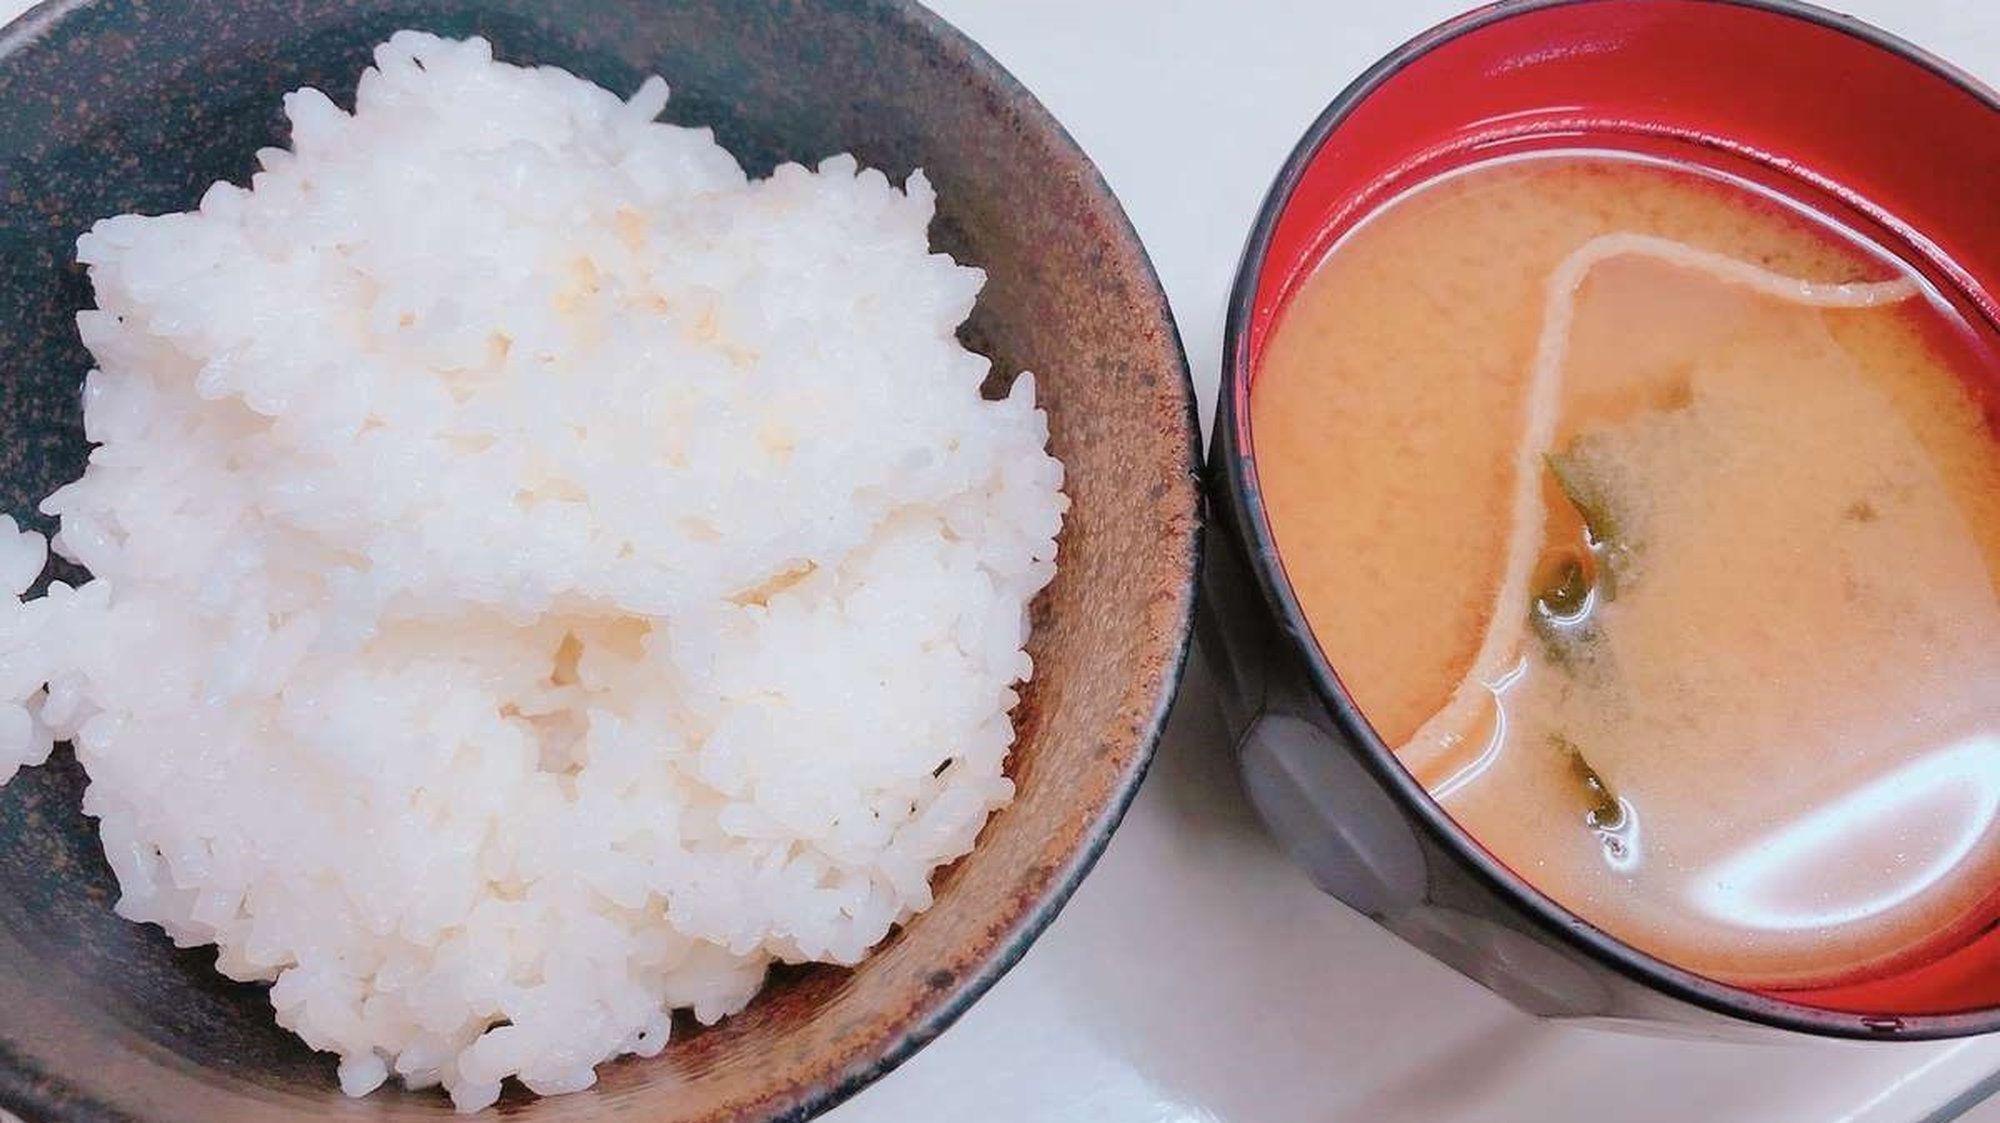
(1196, 977)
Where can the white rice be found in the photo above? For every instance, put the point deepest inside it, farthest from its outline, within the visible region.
(538, 571)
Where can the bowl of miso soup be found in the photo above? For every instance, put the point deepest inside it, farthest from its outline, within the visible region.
(1608, 459)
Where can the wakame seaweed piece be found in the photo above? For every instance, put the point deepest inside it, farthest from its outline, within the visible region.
(1609, 536)
(1605, 812)
(1566, 643)
(1569, 596)
(1561, 617)
(1585, 492)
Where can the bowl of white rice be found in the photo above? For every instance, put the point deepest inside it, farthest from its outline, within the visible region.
(582, 563)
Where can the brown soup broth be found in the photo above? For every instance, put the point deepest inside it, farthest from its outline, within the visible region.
(1653, 521)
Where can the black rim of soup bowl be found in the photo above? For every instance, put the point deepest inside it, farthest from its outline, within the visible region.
(1238, 511)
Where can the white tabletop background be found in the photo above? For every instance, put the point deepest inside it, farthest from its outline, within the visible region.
(1196, 977)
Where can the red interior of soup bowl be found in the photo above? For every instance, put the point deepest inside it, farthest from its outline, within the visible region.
(1856, 125)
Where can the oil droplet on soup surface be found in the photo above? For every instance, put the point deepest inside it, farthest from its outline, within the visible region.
(1654, 523)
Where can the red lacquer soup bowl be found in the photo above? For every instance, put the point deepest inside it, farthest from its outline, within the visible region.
(1848, 121)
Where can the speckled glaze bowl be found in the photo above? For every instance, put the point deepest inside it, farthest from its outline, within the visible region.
(120, 105)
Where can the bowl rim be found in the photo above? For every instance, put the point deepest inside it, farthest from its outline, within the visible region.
(1233, 461)
(1184, 552)
(1034, 920)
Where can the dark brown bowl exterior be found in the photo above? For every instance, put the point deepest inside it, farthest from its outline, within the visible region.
(126, 105)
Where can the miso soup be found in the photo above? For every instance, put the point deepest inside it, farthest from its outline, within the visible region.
(1653, 521)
